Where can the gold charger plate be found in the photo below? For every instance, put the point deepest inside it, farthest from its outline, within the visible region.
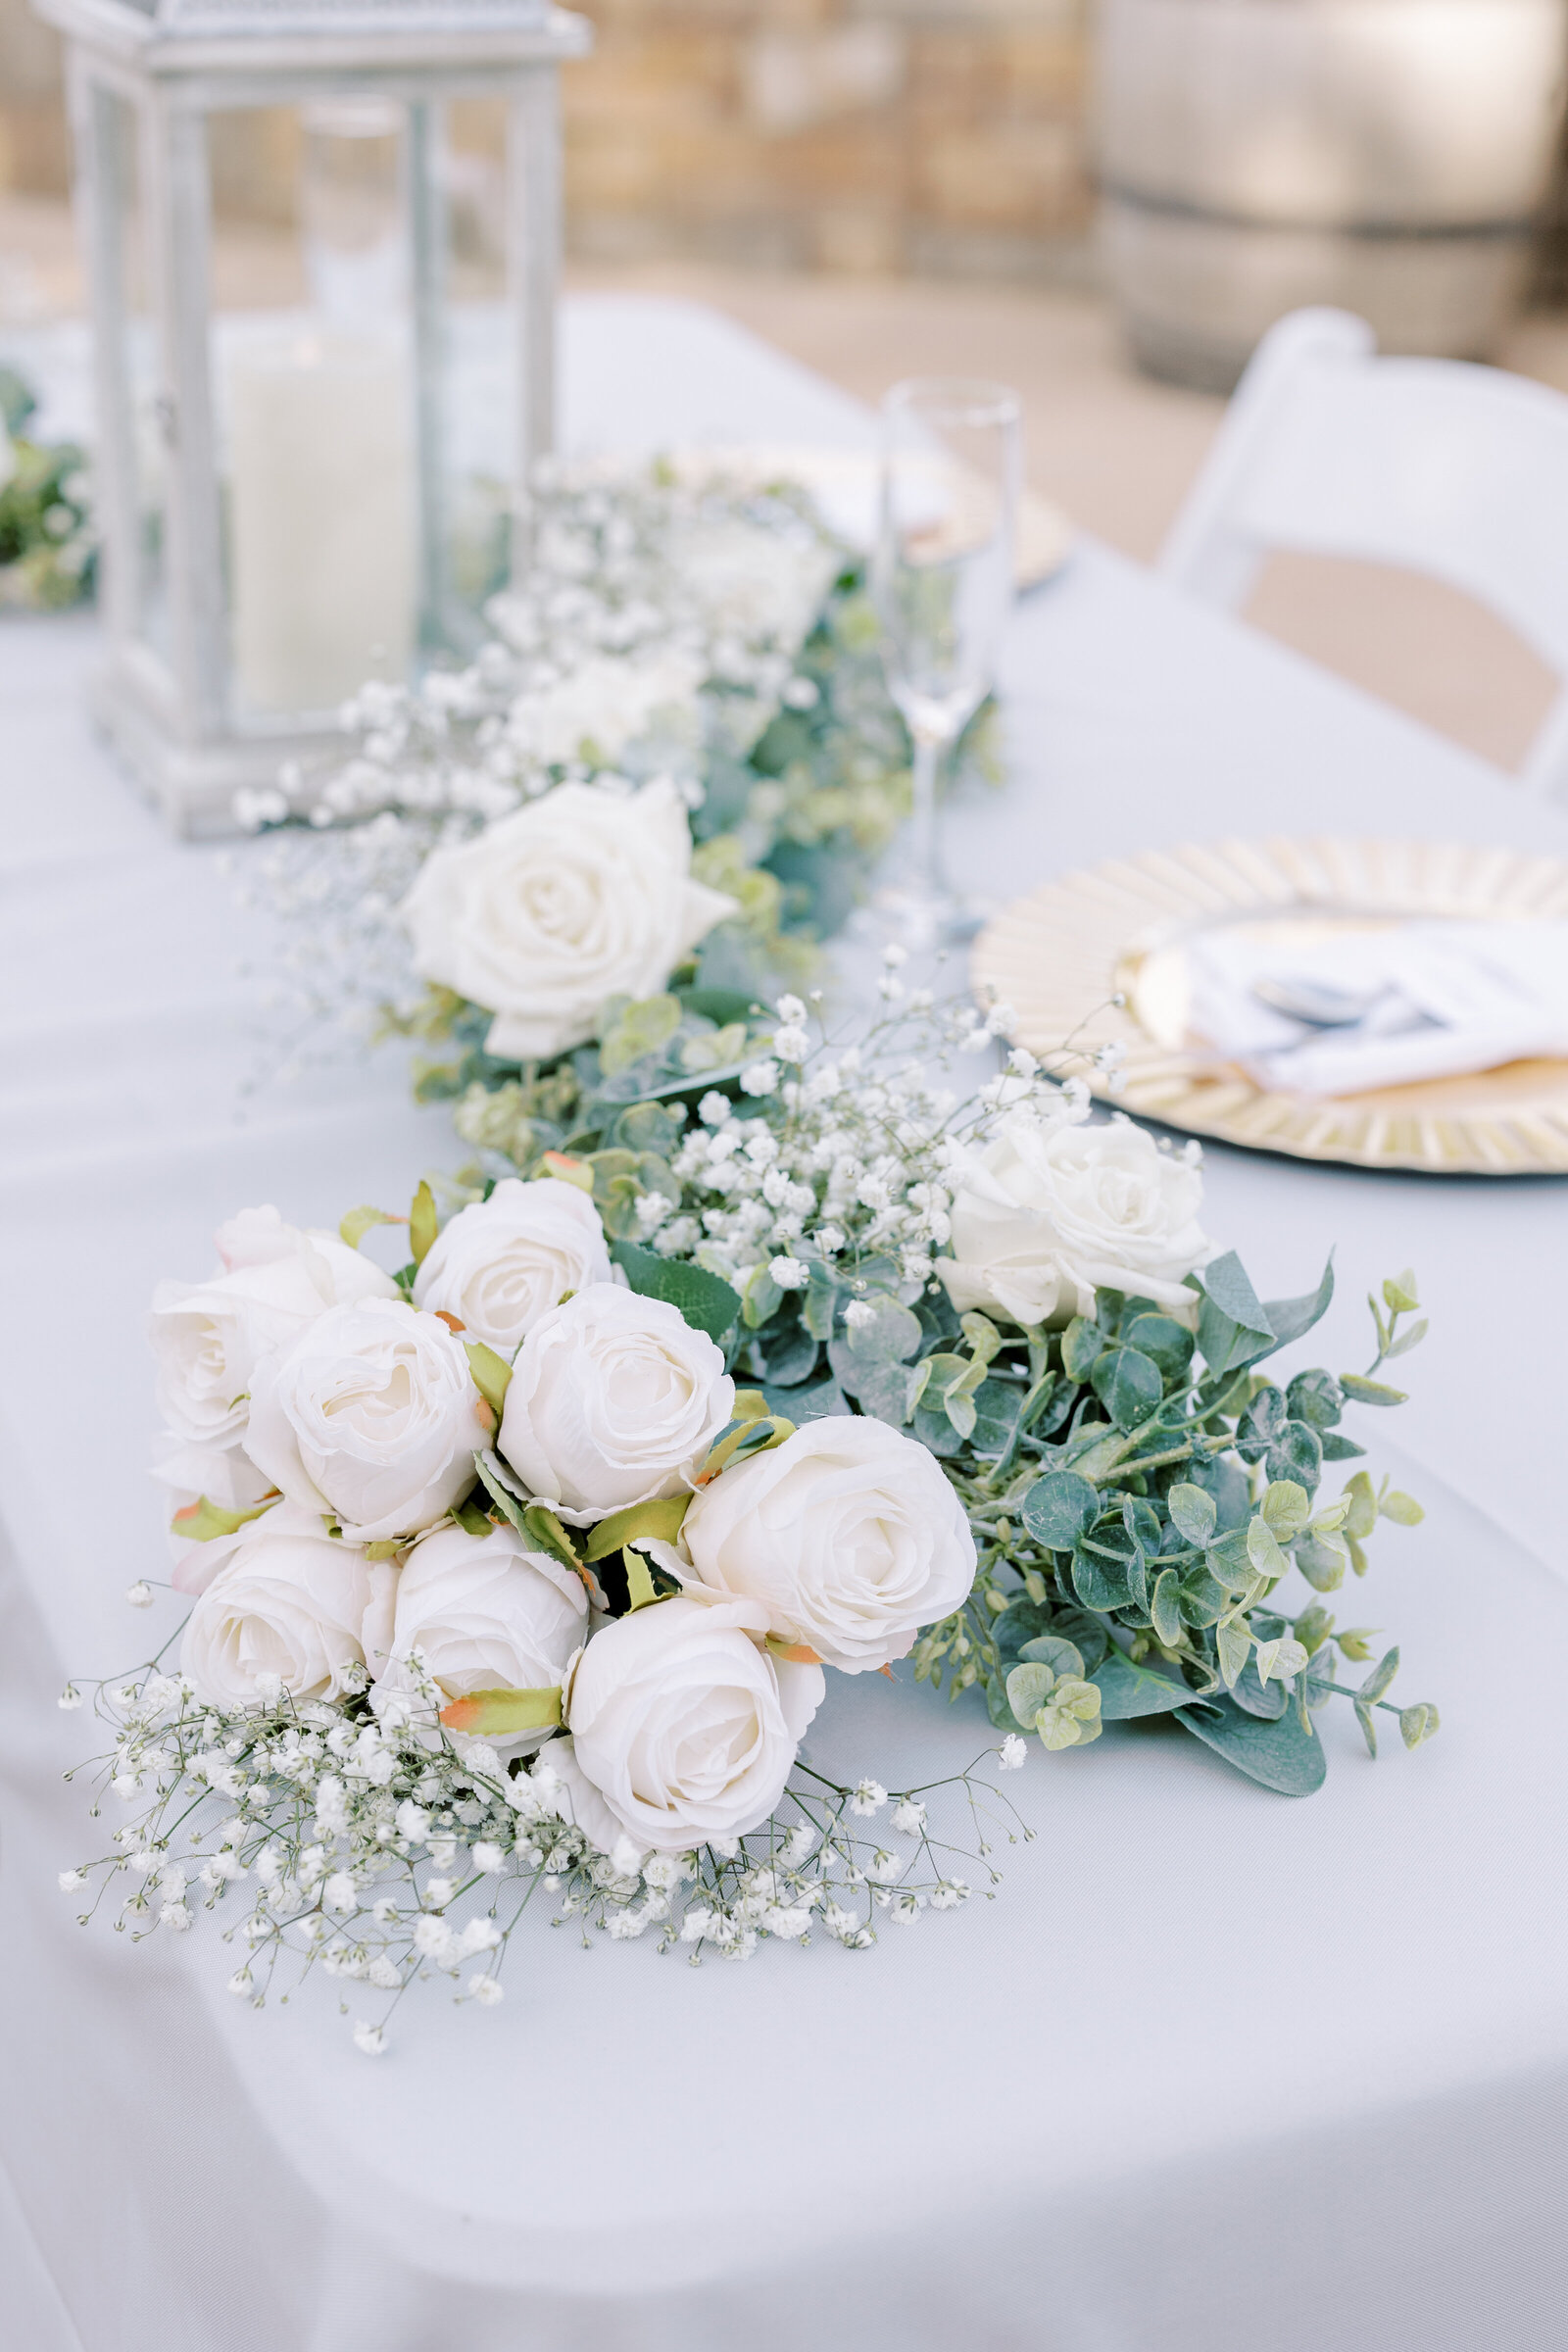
(1060, 957)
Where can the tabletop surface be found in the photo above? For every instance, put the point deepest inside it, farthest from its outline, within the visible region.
(1186, 1992)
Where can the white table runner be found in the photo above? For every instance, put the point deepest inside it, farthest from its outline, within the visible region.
(1264, 2072)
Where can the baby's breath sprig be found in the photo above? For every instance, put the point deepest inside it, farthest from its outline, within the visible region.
(381, 1850)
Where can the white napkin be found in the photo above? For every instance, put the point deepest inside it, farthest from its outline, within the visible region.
(1450, 996)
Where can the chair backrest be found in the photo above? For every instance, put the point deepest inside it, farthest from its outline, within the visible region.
(1439, 466)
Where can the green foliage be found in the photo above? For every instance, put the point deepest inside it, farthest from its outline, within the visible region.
(47, 549)
(706, 1301)
(1156, 1533)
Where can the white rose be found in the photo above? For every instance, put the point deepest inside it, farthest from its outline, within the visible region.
(614, 1399)
(682, 1727)
(291, 1601)
(501, 1263)
(847, 1534)
(581, 895)
(1053, 1213)
(371, 1418)
(225, 1476)
(485, 1614)
(208, 1336)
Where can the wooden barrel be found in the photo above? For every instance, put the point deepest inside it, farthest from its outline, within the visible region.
(1386, 156)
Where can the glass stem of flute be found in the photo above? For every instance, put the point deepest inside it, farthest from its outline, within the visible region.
(928, 751)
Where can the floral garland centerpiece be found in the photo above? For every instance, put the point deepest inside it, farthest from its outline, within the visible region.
(693, 659)
(523, 1567)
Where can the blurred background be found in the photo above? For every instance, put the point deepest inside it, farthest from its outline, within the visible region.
(1103, 204)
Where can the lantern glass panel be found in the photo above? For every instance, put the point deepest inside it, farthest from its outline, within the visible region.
(138, 416)
(312, 370)
(475, 378)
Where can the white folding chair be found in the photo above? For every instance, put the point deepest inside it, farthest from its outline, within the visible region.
(1436, 466)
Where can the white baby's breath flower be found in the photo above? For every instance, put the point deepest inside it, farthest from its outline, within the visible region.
(1012, 1753)
(371, 2039)
(790, 1273)
(860, 1314)
(70, 1880)
(909, 1816)
(139, 1595)
(760, 1077)
(485, 1989)
(868, 1798)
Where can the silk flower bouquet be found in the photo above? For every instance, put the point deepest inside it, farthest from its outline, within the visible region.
(520, 1571)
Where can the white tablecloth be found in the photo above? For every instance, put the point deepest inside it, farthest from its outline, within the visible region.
(1213, 2070)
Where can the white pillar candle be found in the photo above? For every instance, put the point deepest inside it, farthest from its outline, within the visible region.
(322, 519)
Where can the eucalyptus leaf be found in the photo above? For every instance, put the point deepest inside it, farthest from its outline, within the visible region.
(1064, 1658)
(1322, 1563)
(1233, 1326)
(1268, 1700)
(1279, 1756)
(1082, 1343)
(1286, 1508)
(884, 1393)
(1164, 1607)
(890, 1338)
(1380, 1675)
(823, 1400)
(1058, 1508)
(1293, 1318)
(1315, 1397)
(1296, 1453)
(1160, 1337)
(1100, 1581)
(1128, 1385)
(1370, 1392)
(1233, 1645)
(1127, 1691)
(1194, 1511)
(790, 1357)
(1022, 1622)
(1029, 1685)
(703, 1300)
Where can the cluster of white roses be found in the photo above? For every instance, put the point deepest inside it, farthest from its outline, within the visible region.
(326, 1430)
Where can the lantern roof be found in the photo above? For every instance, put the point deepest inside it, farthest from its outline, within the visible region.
(194, 35)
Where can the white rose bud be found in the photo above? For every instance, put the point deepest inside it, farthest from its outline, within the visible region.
(502, 1263)
(292, 1606)
(584, 893)
(371, 1418)
(614, 1399)
(208, 1336)
(847, 1536)
(485, 1614)
(683, 1728)
(1053, 1212)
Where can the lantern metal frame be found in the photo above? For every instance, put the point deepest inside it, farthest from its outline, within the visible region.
(174, 63)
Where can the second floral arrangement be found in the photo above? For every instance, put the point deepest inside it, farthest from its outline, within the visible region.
(525, 1566)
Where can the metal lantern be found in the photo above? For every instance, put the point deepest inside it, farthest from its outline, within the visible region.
(324, 241)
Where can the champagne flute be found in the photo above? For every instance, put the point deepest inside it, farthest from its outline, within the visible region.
(942, 579)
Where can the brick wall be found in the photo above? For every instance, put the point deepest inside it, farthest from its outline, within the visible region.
(940, 135)
(931, 136)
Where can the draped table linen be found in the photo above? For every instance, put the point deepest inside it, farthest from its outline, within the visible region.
(1214, 2068)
